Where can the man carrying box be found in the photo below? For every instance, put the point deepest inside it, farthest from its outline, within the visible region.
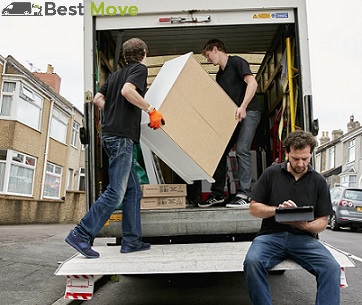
(122, 102)
(237, 80)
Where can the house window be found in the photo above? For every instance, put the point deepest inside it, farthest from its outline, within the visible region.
(52, 183)
(331, 157)
(75, 135)
(70, 179)
(16, 173)
(349, 181)
(82, 179)
(20, 102)
(351, 148)
(3, 154)
(58, 127)
(29, 107)
(7, 98)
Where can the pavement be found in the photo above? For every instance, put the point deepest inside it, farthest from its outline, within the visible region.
(29, 256)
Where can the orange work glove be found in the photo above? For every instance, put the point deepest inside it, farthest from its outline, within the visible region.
(156, 119)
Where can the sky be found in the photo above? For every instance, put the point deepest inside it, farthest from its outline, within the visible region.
(335, 45)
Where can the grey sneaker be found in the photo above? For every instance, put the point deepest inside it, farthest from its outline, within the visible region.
(210, 201)
(239, 203)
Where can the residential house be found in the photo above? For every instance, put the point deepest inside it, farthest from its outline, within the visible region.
(339, 159)
(41, 156)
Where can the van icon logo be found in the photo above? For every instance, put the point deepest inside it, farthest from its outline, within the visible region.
(22, 8)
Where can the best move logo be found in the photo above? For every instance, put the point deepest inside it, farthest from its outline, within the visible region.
(51, 9)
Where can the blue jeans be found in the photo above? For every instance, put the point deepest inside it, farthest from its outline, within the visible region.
(243, 136)
(123, 187)
(266, 251)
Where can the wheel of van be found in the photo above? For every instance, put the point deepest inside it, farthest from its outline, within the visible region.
(6, 13)
(26, 13)
(333, 223)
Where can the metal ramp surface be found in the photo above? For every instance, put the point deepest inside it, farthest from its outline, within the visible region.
(164, 259)
(173, 258)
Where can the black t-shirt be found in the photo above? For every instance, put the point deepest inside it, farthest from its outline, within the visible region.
(276, 185)
(121, 118)
(231, 79)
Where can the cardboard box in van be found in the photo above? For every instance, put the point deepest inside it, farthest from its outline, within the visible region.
(200, 119)
(164, 190)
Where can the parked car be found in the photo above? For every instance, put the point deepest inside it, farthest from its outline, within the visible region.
(347, 208)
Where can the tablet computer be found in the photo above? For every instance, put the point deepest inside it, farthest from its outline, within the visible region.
(304, 213)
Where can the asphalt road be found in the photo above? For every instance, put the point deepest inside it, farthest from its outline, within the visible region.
(29, 256)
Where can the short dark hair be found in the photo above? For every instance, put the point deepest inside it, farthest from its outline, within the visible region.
(214, 43)
(299, 139)
(134, 49)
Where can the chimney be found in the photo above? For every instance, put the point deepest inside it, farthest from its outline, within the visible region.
(352, 123)
(50, 78)
(337, 134)
(50, 69)
(324, 138)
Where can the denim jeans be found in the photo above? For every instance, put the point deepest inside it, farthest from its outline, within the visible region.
(123, 187)
(243, 136)
(266, 251)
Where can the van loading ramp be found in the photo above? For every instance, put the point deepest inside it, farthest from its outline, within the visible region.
(173, 258)
(163, 259)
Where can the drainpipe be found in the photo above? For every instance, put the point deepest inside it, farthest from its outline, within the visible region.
(4, 67)
(46, 149)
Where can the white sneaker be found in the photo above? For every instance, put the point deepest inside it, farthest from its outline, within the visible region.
(239, 203)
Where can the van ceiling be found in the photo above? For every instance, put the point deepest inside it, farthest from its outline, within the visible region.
(248, 41)
(178, 40)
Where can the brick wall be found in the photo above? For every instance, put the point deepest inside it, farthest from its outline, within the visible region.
(20, 210)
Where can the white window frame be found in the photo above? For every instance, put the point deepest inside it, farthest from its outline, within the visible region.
(348, 180)
(10, 94)
(75, 134)
(351, 150)
(81, 178)
(53, 171)
(3, 170)
(18, 160)
(70, 175)
(331, 157)
(34, 100)
(59, 119)
(23, 94)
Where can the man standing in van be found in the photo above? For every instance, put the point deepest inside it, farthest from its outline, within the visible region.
(121, 99)
(237, 80)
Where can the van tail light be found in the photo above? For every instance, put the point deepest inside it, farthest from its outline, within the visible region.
(346, 203)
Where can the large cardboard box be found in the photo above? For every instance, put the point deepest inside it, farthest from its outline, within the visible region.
(164, 190)
(200, 119)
